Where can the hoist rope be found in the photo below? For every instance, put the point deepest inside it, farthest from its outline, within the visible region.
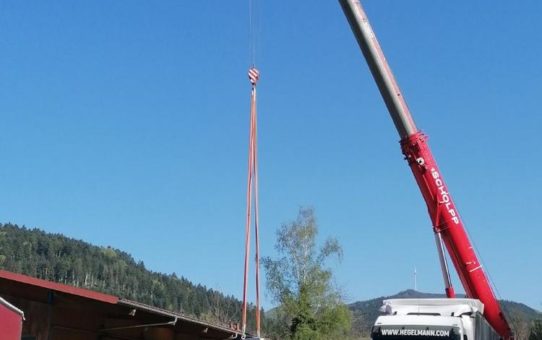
(253, 30)
(256, 207)
(252, 197)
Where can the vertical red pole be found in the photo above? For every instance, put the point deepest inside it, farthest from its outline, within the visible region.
(252, 189)
(256, 216)
(247, 222)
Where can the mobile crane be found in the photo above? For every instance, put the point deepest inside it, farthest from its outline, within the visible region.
(448, 227)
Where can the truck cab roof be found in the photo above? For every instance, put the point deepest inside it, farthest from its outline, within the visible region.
(417, 320)
(442, 307)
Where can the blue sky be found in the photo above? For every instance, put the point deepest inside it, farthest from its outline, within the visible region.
(125, 123)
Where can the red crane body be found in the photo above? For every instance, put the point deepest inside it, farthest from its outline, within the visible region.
(445, 218)
(446, 221)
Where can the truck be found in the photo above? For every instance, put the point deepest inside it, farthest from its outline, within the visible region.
(449, 230)
(432, 319)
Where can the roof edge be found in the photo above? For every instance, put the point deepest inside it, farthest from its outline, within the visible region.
(59, 287)
(159, 311)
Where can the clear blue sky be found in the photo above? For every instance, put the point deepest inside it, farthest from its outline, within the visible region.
(125, 123)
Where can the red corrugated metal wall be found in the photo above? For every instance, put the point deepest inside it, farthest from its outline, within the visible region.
(11, 323)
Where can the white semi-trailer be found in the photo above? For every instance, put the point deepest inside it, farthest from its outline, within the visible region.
(432, 319)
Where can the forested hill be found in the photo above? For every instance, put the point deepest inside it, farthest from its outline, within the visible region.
(61, 259)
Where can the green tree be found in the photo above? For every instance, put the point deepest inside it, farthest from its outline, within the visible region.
(536, 330)
(310, 306)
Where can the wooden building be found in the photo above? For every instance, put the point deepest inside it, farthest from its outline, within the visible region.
(54, 311)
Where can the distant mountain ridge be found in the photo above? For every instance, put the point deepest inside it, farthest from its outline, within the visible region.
(366, 312)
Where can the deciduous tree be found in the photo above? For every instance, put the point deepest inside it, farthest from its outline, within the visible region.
(302, 284)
